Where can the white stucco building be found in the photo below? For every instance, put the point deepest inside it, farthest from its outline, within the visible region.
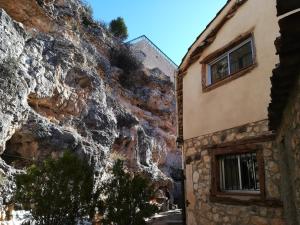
(152, 57)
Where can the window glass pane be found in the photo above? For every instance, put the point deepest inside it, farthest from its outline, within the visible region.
(231, 173)
(248, 173)
(241, 58)
(219, 70)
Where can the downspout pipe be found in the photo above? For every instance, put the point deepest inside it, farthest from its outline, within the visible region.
(179, 144)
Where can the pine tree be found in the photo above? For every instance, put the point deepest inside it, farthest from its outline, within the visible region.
(118, 28)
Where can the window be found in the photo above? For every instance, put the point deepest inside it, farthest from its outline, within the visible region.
(231, 62)
(238, 172)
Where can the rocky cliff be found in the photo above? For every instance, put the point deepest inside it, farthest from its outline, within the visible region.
(60, 90)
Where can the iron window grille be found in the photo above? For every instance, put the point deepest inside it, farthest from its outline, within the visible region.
(239, 172)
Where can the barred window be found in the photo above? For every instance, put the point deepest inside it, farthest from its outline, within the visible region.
(239, 172)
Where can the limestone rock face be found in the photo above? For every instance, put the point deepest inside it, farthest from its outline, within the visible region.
(59, 91)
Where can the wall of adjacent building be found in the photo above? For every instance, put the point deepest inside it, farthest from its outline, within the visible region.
(288, 144)
(284, 110)
(244, 99)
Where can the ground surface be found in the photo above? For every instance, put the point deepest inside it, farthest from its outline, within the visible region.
(172, 217)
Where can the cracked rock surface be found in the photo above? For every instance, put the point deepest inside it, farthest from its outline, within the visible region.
(59, 91)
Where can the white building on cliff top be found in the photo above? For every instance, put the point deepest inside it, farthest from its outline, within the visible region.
(152, 57)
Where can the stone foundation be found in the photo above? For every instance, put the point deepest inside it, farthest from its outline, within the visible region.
(203, 209)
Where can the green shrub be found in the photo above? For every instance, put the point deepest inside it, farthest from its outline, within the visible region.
(124, 59)
(102, 23)
(60, 192)
(126, 199)
(88, 8)
(87, 14)
(40, 2)
(57, 191)
(86, 21)
(118, 28)
(8, 67)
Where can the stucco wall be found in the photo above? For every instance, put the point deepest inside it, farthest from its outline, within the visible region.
(152, 58)
(242, 100)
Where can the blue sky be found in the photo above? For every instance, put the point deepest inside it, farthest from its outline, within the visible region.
(172, 25)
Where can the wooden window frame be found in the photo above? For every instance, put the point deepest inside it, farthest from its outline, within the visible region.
(219, 54)
(216, 192)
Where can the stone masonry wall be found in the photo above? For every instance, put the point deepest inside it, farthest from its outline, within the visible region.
(201, 210)
(288, 142)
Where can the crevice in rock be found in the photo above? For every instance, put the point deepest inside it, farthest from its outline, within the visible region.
(24, 148)
(124, 147)
(21, 150)
(78, 78)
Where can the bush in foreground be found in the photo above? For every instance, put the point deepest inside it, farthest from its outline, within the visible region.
(60, 192)
(127, 198)
(57, 191)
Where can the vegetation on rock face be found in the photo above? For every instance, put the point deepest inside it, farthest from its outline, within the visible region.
(57, 191)
(87, 14)
(88, 8)
(102, 23)
(125, 60)
(8, 67)
(127, 198)
(118, 28)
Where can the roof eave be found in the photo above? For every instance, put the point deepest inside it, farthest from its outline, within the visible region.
(209, 37)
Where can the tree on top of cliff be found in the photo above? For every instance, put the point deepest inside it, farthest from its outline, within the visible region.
(88, 8)
(118, 28)
(57, 191)
(127, 198)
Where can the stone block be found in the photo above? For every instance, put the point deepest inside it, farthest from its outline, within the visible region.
(273, 167)
(195, 177)
(205, 152)
(205, 141)
(206, 159)
(230, 137)
(267, 152)
(255, 220)
(216, 218)
(278, 222)
(190, 151)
